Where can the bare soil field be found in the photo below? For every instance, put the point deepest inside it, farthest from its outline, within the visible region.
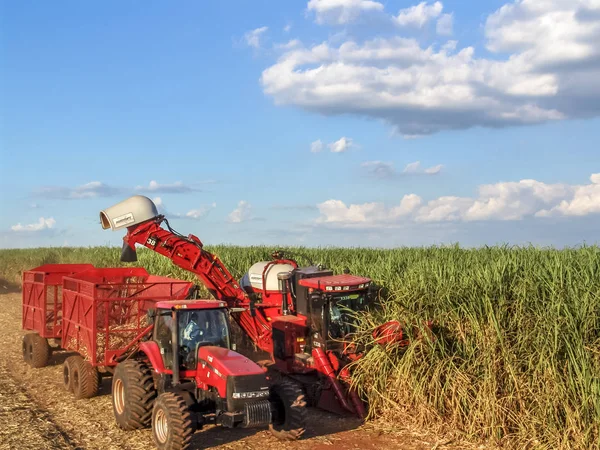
(37, 413)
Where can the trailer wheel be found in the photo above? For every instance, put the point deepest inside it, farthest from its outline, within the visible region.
(289, 418)
(85, 379)
(171, 422)
(36, 351)
(68, 366)
(133, 395)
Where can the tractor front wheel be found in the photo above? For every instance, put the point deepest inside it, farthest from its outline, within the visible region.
(171, 422)
(289, 404)
(133, 395)
(36, 351)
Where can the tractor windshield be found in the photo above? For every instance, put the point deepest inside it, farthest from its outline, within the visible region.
(342, 316)
(203, 327)
(197, 327)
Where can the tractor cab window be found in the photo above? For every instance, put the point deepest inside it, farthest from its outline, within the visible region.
(342, 311)
(199, 328)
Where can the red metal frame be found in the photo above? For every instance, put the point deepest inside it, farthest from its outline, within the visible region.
(42, 297)
(104, 310)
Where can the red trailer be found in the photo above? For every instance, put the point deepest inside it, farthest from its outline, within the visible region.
(103, 315)
(42, 309)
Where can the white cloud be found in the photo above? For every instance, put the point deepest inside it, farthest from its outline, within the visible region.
(160, 206)
(316, 146)
(242, 213)
(341, 145)
(339, 12)
(495, 202)
(200, 212)
(445, 25)
(253, 38)
(414, 168)
(379, 169)
(194, 214)
(585, 200)
(551, 71)
(418, 15)
(41, 224)
(92, 189)
(366, 214)
(292, 43)
(287, 28)
(175, 188)
(434, 170)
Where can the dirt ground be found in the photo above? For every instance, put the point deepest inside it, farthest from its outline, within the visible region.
(37, 413)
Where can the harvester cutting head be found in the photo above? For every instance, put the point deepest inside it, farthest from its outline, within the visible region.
(128, 213)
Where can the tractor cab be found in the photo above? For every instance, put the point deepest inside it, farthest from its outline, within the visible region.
(330, 303)
(181, 328)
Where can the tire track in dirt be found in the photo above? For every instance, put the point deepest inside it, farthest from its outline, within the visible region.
(23, 424)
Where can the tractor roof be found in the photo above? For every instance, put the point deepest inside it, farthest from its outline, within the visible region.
(336, 283)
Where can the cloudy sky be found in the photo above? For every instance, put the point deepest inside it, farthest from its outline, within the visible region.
(320, 122)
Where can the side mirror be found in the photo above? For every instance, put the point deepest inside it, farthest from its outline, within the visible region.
(151, 314)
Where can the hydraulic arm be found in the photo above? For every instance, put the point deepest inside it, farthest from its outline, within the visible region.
(188, 253)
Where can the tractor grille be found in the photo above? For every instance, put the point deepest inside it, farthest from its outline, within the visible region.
(257, 414)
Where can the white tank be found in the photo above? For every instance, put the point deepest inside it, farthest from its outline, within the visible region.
(254, 276)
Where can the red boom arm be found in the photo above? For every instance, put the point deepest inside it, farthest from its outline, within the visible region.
(189, 254)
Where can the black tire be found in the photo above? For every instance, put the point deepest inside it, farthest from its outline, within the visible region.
(36, 351)
(27, 347)
(172, 422)
(85, 379)
(68, 366)
(289, 404)
(133, 395)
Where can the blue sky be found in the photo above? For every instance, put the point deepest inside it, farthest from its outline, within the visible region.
(320, 122)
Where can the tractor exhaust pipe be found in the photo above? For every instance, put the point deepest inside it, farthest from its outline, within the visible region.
(283, 278)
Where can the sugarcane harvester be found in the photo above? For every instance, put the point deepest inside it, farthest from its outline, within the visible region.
(299, 316)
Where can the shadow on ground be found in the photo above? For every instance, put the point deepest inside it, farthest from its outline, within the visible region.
(320, 423)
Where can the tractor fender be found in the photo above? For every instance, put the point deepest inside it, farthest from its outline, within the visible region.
(152, 352)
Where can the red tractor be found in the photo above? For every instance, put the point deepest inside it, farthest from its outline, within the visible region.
(185, 376)
(299, 317)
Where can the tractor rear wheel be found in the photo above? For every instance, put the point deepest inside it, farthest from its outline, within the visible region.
(36, 351)
(171, 422)
(289, 401)
(85, 379)
(133, 395)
